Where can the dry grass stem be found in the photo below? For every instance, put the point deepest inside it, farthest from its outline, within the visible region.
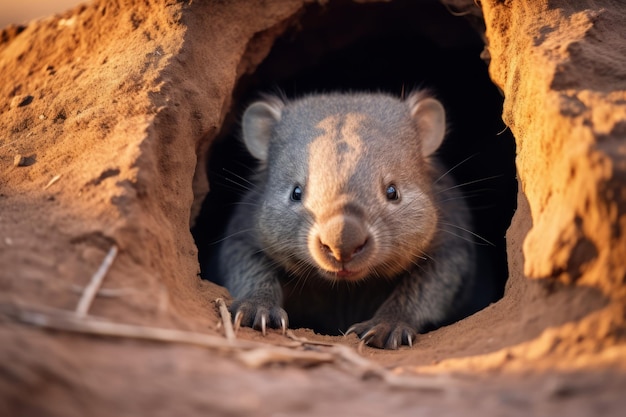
(52, 181)
(303, 340)
(258, 358)
(353, 362)
(70, 322)
(105, 292)
(94, 284)
(226, 319)
(251, 354)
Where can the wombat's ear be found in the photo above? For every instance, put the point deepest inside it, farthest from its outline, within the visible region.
(257, 124)
(430, 117)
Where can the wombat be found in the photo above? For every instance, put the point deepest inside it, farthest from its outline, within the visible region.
(352, 224)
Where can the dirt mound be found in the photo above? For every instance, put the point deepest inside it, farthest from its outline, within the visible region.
(109, 114)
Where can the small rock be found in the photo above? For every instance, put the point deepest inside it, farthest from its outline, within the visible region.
(15, 101)
(21, 101)
(23, 161)
(19, 161)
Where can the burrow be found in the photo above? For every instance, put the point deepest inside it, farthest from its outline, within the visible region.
(392, 47)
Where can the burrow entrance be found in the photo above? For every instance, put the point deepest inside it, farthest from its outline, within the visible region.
(392, 47)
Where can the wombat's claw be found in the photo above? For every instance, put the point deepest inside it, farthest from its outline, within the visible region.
(351, 330)
(365, 337)
(259, 316)
(384, 334)
(368, 336)
(237, 320)
(283, 324)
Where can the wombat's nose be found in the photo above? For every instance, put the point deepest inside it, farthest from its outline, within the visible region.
(342, 238)
(342, 254)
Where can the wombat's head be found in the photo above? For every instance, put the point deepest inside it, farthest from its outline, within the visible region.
(347, 183)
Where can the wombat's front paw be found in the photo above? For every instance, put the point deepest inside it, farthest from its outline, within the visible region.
(382, 333)
(259, 315)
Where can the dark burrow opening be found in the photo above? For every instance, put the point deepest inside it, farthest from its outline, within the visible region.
(392, 47)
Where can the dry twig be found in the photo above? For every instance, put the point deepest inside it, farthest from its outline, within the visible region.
(304, 341)
(69, 321)
(104, 292)
(258, 358)
(354, 363)
(94, 284)
(52, 181)
(226, 319)
(252, 354)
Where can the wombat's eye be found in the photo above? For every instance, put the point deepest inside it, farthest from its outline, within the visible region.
(296, 194)
(392, 193)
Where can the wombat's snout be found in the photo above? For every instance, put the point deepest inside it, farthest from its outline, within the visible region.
(340, 239)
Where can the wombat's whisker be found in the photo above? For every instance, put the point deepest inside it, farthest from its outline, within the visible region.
(467, 195)
(302, 280)
(227, 183)
(469, 183)
(238, 184)
(239, 232)
(469, 231)
(250, 183)
(244, 203)
(455, 167)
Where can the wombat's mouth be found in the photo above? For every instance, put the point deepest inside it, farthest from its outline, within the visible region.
(345, 274)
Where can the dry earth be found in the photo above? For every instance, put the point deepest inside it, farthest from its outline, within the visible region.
(111, 109)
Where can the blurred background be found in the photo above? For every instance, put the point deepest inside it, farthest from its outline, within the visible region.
(23, 11)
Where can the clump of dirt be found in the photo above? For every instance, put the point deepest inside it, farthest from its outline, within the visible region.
(116, 122)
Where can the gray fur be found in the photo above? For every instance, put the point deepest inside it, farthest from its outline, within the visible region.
(348, 257)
